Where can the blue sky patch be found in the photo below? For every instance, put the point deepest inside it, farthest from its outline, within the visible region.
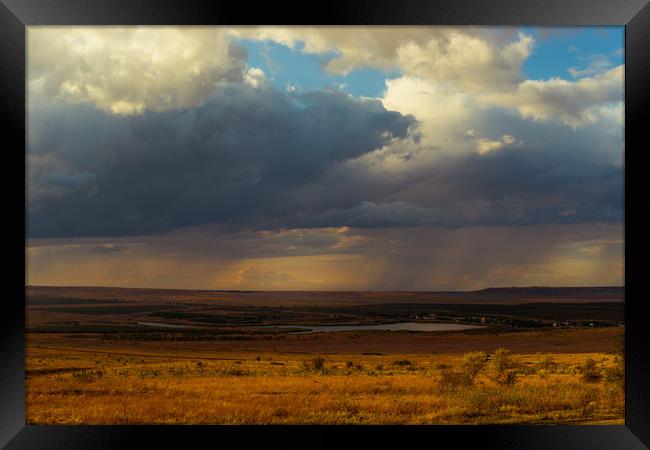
(569, 53)
(287, 67)
(573, 53)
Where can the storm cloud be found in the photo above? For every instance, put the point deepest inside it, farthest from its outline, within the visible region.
(225, 161)
(323, 158)
(202, 138)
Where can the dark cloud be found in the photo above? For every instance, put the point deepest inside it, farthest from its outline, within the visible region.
(263, 159)
(225, 161)
(525, 186)
(369, 214)
(557, 175)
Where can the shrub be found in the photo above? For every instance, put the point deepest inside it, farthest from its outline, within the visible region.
(453, 379)
(281, 412)
(402, 362)
(590, 371)
(464, 375)
(318, 363)
(509, 378)
(473, 363)
(614, 375)
(86, 375)
(503, 362)
(234, 372)
(480, 402)
(149, 373)
(349, 365)
(588, 404)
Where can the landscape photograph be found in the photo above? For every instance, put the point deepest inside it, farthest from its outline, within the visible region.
(354, 225)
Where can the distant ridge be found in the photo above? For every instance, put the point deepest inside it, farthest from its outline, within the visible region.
(512, 290)
(493, 295)
(548, 291)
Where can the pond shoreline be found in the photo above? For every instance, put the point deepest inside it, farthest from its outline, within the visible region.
(393, 326)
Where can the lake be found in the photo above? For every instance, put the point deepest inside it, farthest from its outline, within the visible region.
(400, 326)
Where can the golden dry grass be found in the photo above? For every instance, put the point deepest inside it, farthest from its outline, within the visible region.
(74, 387)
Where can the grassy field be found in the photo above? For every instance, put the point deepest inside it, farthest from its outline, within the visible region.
(134, 356)
(90, 381)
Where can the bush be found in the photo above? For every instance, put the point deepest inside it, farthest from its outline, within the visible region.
(614, 375)
(473, 363)
(464, 375)
(318, 363)
(149, 373)
(280, 412)
(402, 362)
(509, 378)
(588, 404)
(503, 362)
(86, 375)
(453, 379)
(234, 372)
(482, 402)
(590, 371)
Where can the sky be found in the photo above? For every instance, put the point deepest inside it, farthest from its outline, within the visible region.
(325, 158)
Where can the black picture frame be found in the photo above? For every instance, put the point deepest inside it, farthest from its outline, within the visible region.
(16, 15)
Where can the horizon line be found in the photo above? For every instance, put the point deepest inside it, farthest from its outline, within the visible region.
(327, 290)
